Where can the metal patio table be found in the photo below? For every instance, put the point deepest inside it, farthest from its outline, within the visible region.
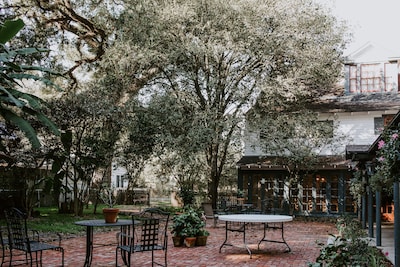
(90, 224)
(245, 219)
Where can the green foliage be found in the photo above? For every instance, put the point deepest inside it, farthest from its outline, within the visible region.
(188, 223)
(90, 131)
(350, 248)
(10, 29)
(388, 158)
(16, 106)
(350, 228)
(357, 184)
(187, 195)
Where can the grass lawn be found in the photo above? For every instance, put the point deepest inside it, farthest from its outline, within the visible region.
(50, 220)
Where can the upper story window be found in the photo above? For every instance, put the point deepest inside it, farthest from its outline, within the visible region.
(378, 125)
(372, 78)
(381, 122)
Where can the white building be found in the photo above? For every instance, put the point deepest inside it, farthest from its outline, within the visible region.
(369, 100)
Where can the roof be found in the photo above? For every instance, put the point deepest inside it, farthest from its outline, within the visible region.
(279, 163)
(371, 52)
(367, 153)
(357, 152)
(393, 123)
(359, 102)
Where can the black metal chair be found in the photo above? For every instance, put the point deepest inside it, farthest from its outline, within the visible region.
(3, 243)
(210, 213)
(18, 238)
(150, 233)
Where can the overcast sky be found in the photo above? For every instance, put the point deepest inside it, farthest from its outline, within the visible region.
(377, 21)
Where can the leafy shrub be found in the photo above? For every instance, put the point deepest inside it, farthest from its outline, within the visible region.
(350, 248)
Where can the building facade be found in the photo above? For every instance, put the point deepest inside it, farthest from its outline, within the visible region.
(368, 99)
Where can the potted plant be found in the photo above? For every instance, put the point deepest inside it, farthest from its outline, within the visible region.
(201, 239)
(178, 223)
(190, 235)
(107, 196)
(187, 226)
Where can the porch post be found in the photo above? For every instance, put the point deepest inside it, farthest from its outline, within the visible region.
(370, 212)
(396, 224)
(378, 218)
(262, 195)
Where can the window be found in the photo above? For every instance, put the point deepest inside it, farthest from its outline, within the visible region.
(378, 125)
(372, 78)
(118, 180)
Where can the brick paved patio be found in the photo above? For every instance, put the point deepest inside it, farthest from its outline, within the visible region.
(300, 235)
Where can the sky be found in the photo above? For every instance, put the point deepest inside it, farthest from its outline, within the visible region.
(374, 21)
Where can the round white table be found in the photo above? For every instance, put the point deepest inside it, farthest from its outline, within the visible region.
(244, 219)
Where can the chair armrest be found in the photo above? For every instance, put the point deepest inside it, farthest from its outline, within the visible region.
(34, 235)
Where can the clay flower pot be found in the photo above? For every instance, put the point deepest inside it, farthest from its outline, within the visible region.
(177, 240)
(201, 240)
(190, 242)
(110, 215)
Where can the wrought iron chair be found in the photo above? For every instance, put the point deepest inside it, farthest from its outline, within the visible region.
(19, 239)
(3, 243)
(150, 233)
(209, 213)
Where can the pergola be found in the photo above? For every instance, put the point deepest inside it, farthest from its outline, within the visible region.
(364, 157)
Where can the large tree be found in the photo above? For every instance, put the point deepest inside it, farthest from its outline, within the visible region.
(90, 130)
(223, 54)
(213, 58)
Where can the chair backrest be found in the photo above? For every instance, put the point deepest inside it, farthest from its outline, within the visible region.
(149, 234)
(17, 230)
(208, 210)
(163, 219)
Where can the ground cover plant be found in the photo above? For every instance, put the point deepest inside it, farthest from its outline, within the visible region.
(350, 248)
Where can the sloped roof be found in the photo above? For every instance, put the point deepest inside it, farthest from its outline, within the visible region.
(367, 153)
(371, 52)
(278, 163)
(359, 102)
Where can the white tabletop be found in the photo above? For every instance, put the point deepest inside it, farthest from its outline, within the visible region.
(261, 218)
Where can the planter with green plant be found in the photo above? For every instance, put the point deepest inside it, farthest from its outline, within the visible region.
(187, 226)
(350, 247)
(201, 239)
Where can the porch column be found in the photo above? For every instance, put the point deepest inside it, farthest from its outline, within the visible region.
(396, 224)
(370, 212)
(378, 218)
(262, 195)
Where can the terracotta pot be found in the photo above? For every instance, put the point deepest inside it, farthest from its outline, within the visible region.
(110, 215)
(177, 240)
(190, 242)
(201, 240)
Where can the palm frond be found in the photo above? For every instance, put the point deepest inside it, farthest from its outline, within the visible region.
(10, 29)
(22, 124)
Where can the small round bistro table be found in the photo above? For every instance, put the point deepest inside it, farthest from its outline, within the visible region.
(245, 219)
(90, 224)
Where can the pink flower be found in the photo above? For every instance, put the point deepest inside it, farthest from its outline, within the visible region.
(381, 144)
(386, 253)
(395, 136)
(381, 159)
